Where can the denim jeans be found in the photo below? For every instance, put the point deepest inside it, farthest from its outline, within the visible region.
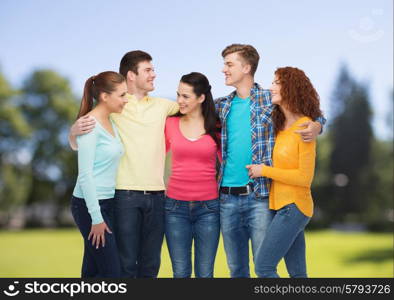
(243, 218)
(104, 261)
(139, 232)
(186, 221)
(284, 238)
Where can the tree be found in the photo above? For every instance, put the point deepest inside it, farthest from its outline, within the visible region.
(14, 168)
(380, 211)
(49, 107)
(352, 179)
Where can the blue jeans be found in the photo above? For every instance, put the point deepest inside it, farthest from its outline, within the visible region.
(243, 218)
(284, 238)
(139, 232)
(187, 221)
(104, 261)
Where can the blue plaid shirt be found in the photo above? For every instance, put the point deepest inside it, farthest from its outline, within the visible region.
(262, 132)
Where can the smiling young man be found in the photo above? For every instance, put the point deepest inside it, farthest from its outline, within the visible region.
(139, 195)
(247, 138)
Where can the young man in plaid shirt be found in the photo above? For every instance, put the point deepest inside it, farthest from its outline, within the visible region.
(247, 138)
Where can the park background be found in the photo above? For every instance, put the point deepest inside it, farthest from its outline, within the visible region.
(49, 48)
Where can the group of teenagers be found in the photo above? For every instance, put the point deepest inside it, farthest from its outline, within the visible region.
(241, 165)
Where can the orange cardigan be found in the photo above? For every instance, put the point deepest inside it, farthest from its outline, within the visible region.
(292, 171)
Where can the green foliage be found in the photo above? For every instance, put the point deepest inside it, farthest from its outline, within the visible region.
(14, 175)
(354, 180)
(379, 213)
(50, 107)
(38, 166)
(351, 136)
(12, 123)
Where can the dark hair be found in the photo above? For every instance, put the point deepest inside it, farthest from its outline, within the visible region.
(105, 82)
(247, 52)
(298, 95)
(130, 61)
(201, 86)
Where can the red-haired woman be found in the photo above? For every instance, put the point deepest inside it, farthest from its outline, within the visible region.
(290, 197)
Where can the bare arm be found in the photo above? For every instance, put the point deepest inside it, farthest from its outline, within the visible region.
(81, 126)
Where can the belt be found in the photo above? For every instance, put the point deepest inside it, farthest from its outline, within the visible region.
(144, 192)
(237, 190)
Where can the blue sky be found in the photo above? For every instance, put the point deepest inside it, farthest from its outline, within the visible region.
(81, 38)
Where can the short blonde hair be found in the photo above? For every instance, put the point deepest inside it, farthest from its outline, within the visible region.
(247, 52)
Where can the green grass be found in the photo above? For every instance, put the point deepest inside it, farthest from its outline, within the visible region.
(58, 253)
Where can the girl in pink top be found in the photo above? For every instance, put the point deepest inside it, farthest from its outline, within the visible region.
(192, 205)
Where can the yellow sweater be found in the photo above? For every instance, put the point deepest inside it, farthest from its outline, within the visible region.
(292, 171)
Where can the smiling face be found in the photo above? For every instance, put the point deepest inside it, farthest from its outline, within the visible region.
(187, 100)
(116, 100)
(235, 69)
(145, 76)
(275, 91)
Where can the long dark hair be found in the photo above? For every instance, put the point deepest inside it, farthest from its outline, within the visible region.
(105, 82)
(201, 86)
